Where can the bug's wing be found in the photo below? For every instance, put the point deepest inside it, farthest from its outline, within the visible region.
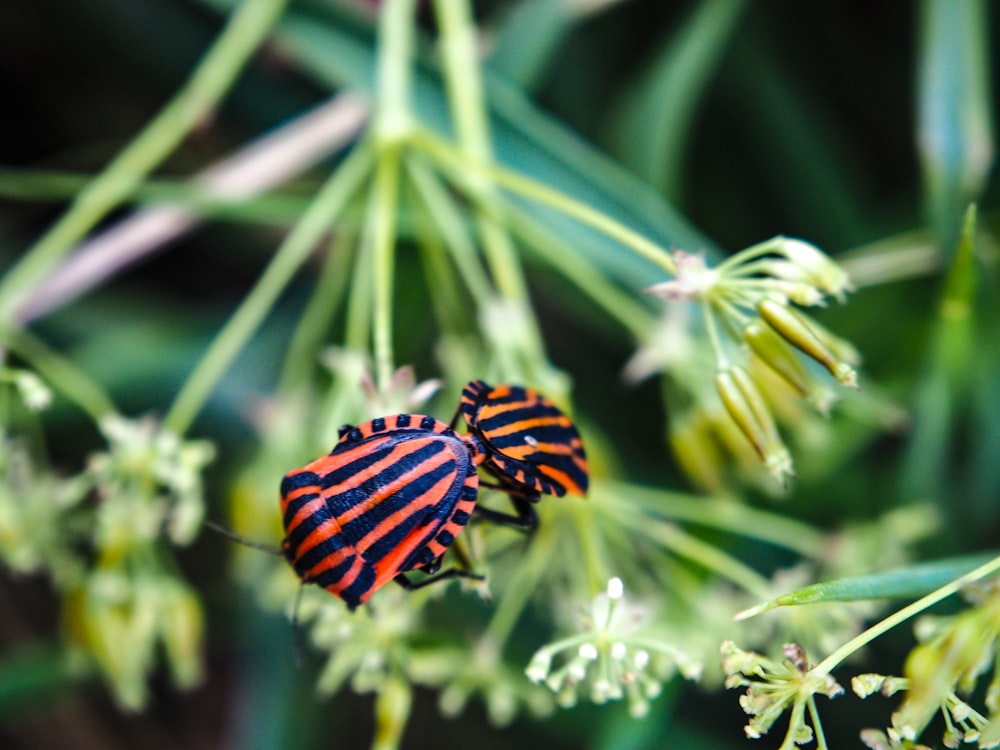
(400, 500)
(530, 436)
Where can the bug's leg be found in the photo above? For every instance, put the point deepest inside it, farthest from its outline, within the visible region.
(297, 628)
(454, 419)
(434, 565)
(525, 518)
(344, 429)
(409, 585)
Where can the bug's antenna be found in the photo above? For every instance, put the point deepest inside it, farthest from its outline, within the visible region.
(233, 536)
(296, 628)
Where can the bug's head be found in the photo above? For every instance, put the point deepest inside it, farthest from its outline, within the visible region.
(477, 451)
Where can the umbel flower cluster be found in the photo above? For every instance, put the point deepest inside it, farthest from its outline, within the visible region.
(761, 347)
(614, 656)
(774, 687)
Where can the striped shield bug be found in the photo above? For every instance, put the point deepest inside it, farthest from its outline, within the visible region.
(390, 497)
(529, 445)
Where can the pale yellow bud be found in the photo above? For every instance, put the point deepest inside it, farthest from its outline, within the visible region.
(796, 331)
(818, 267)
(749, 411)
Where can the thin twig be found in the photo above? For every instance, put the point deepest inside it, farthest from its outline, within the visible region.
(265, 163)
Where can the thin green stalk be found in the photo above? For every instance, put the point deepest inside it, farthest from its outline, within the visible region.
(701, 553)
(201, 201)
(817, 724)
(521, 587)
(357, 328)
(213, 77)
(318, 313)
(292, 253)
(464, 87)
(393, 120)
(393, 706)
(618, 305)
(765, 247)
(450, 308)
(588, 537)
(467, 105)
(383, 213)
(64, 376)
(442, 210)
(459, 168)
(896, 618)
(392, 124)
(721, 360)
(730, 516)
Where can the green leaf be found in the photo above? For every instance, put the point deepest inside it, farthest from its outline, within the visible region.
(955, 124)
(524, 137)
(652, 129)
(32, 676)
(905, 583)
(530, 35)
(943, 391)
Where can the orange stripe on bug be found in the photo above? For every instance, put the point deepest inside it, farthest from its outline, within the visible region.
(389, 498)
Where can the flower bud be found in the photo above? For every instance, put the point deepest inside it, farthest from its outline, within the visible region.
(749, 411)
(776, 353)
(35, 394)
(392, 709)
(817, 266)
(181, 631)
(867, 684)
(539, 666)
(796, 331)
(615, 588)
(696, 450)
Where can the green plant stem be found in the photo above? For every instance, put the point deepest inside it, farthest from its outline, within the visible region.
(589, 536)
(286, 261)
(766, 247)
(617, 304)
(900, 616)
(445, 214)
(198, 200)
(459, 167)
(817, 724)
(392, 709)
(383, 215)
(701, 553)
(731, 516)
(213, 77)
(450, 308)
(391, 125)
(357, 328)
(521, 586)
(317, 316)
(721, 360)
(464, 86)
(467, 105)
(59, 372)
(393, 120)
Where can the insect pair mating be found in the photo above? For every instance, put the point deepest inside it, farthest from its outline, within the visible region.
(394, 492)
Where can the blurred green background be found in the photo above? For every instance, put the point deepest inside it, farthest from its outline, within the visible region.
(750, 119)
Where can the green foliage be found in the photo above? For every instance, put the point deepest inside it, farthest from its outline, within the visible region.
(510, 191)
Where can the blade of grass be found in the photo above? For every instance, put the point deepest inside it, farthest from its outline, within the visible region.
(943, 389)
(524, 138)
(904, 583)
(271, 160)
(954, 120)
(655, 116)
(248, 26)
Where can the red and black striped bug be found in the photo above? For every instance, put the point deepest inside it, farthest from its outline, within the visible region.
(390, 497)
(527, 444)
